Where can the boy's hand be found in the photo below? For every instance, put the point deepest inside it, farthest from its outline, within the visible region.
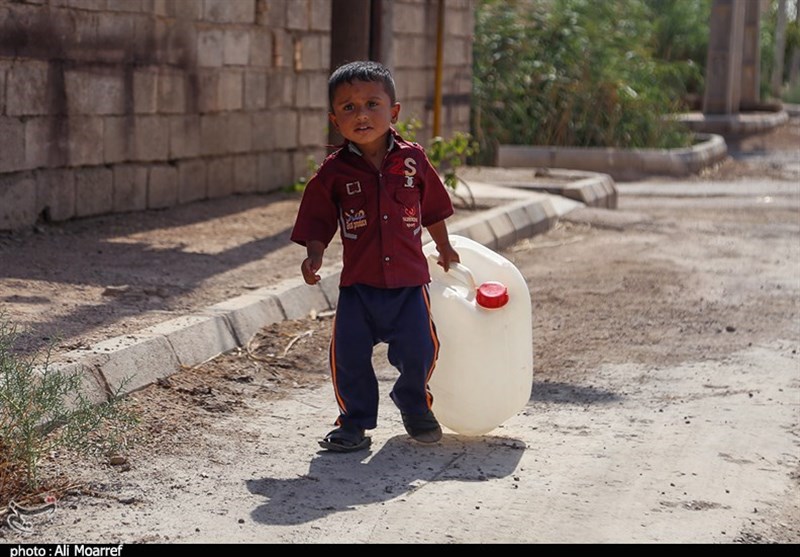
(313, 262)
(447, 255)
(309, 268)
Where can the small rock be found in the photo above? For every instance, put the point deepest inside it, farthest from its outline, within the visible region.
(241, 521)
(240, 378)
(730, 328)
(116, 290)
(117, 460)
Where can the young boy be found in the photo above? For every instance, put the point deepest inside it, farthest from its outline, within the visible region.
(379, 190)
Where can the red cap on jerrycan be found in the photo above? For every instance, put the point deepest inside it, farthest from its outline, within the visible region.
(492, 295)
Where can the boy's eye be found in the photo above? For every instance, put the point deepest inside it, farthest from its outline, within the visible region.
(372, 104)
(347, 107)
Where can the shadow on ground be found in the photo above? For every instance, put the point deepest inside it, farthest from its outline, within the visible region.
(146, 261)
(340, 482)
(569, 393)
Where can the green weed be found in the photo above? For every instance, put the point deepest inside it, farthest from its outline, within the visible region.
(44, 408)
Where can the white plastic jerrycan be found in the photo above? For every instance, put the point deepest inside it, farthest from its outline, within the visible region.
(482, 312)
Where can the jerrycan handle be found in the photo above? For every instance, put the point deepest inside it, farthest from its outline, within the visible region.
(459, 272)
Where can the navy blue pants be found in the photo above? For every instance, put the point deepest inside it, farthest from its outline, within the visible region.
(401, 318)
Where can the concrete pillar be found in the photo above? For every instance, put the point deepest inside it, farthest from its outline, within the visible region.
(751, 57)
(724, 64)
(349, 31)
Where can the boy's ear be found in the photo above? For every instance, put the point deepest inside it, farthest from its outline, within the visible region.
(395, 112)
(332, 118)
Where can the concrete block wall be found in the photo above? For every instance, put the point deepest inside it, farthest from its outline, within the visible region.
(414, 62)
(124, 105)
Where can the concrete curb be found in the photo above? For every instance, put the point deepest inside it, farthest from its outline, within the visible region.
(133, 361)
(744, 123)
(590, 188)
(620, 164)
(793, 110)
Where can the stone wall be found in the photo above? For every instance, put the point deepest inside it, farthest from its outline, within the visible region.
(413, 60)
(124, 105)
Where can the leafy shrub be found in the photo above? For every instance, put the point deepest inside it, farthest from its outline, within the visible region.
(300, 183)
(792, 94)
(579, 73)
(769, 26)
(446, 155)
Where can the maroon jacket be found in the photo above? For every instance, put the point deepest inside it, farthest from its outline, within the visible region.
(380, 213)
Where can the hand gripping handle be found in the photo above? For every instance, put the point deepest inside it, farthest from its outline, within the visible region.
(458, 272)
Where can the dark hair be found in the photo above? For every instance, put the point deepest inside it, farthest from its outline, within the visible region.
(361, 71)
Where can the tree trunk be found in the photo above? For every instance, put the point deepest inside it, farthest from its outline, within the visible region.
(794, 64)
(780, 45)
(794, 69)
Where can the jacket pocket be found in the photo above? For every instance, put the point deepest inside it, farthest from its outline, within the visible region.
(408, 204)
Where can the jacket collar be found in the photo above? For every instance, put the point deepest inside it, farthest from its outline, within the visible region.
(393, 142)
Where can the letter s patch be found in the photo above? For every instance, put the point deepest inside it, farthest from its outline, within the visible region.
(411, 167)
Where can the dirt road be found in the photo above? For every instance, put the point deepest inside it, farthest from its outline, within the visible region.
(665, 407)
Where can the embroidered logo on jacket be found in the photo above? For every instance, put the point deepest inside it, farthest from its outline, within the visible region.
(410, 217)
(410, 171)
(353, 188)
(353, 220)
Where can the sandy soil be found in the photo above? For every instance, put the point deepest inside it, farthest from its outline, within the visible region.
(665, 405)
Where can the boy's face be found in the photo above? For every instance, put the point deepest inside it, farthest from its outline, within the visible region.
(363, 113)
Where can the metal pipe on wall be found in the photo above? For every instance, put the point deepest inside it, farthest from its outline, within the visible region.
(437, 86)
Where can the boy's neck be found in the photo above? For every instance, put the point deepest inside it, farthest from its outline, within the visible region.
(376, 152)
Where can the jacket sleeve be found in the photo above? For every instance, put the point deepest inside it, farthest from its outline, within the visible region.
(317, 216)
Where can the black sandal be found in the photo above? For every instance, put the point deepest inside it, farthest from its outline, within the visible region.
(346, 439)
(423, 428)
